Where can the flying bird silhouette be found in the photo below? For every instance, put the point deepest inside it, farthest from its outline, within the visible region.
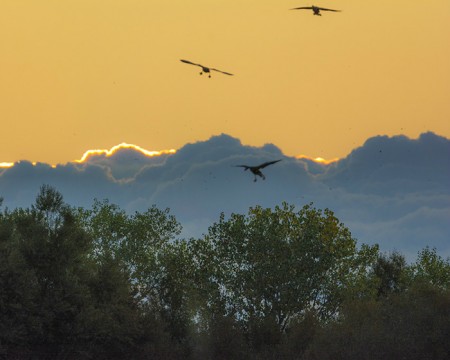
(315, 9)
(205, 69)
(256, 170)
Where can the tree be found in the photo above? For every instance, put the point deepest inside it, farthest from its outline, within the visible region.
(55, 300)
(274, 266)
(136, 241)
(18, 284)
(50, 250)
(156, 266)
(432, 269)
(413, 324)
(390, 273)
(176, 300)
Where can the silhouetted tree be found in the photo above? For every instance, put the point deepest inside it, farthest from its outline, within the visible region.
(59, 303)
(413, 324)
(390, 273)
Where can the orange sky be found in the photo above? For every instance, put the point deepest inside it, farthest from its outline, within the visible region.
(90, 74)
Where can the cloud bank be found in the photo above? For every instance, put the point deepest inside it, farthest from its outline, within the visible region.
(394, 191)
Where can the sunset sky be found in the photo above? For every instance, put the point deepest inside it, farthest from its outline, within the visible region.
(90, 74)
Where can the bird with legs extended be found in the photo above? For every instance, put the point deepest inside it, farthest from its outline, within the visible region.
(256, 170)
(205, 69)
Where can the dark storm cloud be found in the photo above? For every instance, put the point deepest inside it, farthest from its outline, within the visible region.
(392, 190)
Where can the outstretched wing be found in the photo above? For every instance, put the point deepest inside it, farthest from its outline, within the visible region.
(303, 8)
(267, 164)
(324, 9)
(244, 166)
(223, 72)
(191, 63)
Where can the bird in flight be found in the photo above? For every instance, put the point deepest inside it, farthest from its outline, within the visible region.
(205, 69)
(256, 170)
(315, 9)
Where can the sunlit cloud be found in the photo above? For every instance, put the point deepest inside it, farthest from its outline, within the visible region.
(114, 149)
(318, 159)
(6, 164)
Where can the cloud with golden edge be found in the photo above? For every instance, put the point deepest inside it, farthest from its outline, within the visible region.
(319, 160)
(6, 164)
(114, 149)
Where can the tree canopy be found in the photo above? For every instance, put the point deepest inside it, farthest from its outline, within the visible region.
(282, 283)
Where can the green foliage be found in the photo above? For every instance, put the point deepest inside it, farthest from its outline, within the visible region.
(432, 269)
(136, 241)
(18, 288)
(50, 299)
(270, 284)
(276, 265)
